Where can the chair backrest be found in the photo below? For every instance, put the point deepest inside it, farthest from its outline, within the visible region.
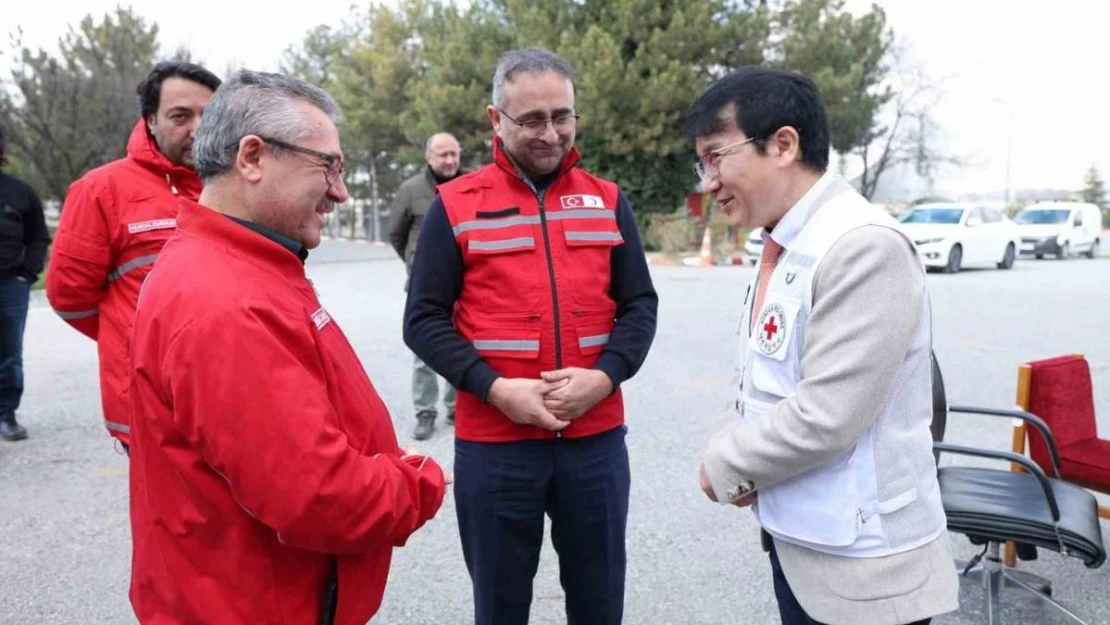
(1059, 391)
(940, 404)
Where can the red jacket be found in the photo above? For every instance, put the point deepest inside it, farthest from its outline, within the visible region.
(115, 220)
(536, 295)
(259, 444)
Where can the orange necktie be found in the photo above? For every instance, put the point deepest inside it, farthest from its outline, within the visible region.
(767, 263)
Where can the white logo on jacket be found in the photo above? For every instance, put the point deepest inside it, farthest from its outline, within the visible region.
(321, 318)
(154, 224)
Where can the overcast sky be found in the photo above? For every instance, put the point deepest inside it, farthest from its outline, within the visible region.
(1045, 64)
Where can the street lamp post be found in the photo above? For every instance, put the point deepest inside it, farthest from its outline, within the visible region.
(1009, 146)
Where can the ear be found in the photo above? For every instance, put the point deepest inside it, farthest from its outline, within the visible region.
(494, 118)
(150, 122)
(786, 145)
(251, 157)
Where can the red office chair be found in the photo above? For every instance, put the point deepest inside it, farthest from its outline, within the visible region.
(1059, 391)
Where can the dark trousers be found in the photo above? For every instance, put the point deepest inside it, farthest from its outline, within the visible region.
(503, 491)
(790, 611)
(14, 297)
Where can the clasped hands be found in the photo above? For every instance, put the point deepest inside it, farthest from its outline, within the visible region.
(552, 401)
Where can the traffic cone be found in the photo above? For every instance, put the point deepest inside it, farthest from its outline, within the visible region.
(706, 249)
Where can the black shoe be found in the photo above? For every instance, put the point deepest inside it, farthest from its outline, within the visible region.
(10, 430)
(425, 425)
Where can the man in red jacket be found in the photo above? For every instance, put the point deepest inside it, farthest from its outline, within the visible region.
(116, 219)
(267, 486)
(530, 293)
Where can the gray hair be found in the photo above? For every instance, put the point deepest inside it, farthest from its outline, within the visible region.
(254, 103)
(526, 61)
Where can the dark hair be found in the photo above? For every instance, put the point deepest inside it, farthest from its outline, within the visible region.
(150, 89)
(765, 100)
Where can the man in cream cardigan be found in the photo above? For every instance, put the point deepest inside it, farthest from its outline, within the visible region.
(829, 441)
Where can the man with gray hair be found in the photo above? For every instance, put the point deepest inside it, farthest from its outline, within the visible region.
(531, 294)
(265, 473)
(409, 207)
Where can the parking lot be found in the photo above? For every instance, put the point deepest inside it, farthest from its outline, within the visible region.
(65, 547)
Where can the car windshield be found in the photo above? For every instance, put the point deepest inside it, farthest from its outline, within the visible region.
(1042, 216)
(933, 216)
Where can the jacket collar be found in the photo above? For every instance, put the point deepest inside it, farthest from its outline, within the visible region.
(142, 149)
(506, 164)
(205, 223)
(788, 228)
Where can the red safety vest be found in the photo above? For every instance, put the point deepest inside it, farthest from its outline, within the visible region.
(535, 294)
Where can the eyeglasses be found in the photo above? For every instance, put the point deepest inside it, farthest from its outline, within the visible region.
(707, 167)
(536, 127)
(333, 163)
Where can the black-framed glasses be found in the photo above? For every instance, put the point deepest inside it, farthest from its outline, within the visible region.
(333, 163)
(536, 127)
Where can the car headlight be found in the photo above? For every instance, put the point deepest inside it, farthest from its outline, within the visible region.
(928, 241)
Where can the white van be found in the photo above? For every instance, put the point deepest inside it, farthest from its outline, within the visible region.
(1062, 229)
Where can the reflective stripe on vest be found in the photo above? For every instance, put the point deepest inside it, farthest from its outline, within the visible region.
(506, 345)
(526, 220)
(503, 244)
(574, 235)
(593, 341)
(131, 265)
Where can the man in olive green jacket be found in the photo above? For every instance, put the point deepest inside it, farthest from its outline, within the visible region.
(409, 205)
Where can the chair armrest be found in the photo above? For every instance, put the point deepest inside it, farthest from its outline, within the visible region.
(1029, 418)
(1029, 465)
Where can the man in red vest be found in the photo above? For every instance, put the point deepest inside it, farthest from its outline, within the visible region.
(530, 294)
(116, 219)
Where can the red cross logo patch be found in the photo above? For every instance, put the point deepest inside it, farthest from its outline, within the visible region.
(770, 329)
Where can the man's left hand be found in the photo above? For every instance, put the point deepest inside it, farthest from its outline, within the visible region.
(584, 388)
(707, 488)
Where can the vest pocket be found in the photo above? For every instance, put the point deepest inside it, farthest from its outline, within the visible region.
(818, 507)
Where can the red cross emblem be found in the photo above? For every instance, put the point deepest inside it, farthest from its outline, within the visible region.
(770, 328)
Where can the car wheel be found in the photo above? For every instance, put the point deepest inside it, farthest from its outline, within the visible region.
(1094, 251)
(1065, 251)
(955, 257)
(1007, 257)
(1039, 256)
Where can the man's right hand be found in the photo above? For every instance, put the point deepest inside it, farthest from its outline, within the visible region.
(521, 399)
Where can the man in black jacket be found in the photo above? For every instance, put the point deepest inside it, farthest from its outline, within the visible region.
(23, 242)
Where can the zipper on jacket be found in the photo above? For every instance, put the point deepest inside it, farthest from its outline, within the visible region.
(550, 273)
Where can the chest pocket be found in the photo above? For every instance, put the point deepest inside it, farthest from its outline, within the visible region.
(774, 346)
(500, 249)
(589, 234)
